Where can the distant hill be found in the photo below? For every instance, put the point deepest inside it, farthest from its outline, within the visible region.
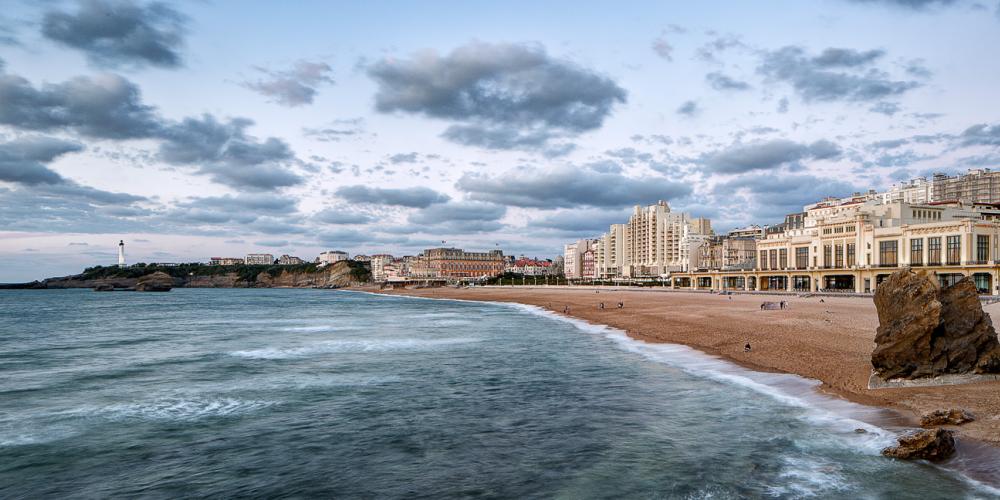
(197, 275)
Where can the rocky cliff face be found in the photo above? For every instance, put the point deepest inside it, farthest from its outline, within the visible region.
(333, 276)
(925, 331)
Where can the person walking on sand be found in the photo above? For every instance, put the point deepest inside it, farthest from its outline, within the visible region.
(601, 307)
(621, 305)
(746, 348)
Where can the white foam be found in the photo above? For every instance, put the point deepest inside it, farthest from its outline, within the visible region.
(350, 346)
(807, 477)
(180, 409)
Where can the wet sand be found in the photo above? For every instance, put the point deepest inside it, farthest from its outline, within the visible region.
(830, 341)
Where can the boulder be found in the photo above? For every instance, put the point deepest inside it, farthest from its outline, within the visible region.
(953, 416)
(934, 445)
(926, 331)
(156, 282)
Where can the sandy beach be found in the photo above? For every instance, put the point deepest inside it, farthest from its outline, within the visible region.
(829, 339)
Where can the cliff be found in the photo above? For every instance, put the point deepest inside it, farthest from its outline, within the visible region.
(341, 274)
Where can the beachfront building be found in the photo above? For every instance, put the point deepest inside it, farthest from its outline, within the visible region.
(654, 242)
(382, 265)
(529, 267)
(226, 261)
(258, 259)
(975, 186)
(289, 260)
(853, 245)
(451, 263)
(329, 257)
(573, 259)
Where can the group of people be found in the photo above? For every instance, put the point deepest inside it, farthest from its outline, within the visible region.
(621, 305)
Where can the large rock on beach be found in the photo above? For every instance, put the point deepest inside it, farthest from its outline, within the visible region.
(934, 445)
(953, 416)
(926, 331)
(156, 282)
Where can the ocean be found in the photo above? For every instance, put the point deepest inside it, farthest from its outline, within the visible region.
(319, 393)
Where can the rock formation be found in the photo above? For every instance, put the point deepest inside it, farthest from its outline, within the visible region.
(934, 445)
(953, 416)
(104, 287)
(156, 282)
(925, 331)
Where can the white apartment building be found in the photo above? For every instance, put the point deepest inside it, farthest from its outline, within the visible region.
(259, 259)
(329, 257)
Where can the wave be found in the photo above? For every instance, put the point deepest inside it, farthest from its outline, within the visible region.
(180, 409)
(350, 346)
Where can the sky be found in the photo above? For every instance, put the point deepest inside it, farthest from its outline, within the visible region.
(194, 129)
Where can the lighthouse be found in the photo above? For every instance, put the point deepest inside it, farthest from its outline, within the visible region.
(121, 253)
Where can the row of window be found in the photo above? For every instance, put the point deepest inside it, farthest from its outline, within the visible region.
(839, 229)
(927, 214)
(840, 255)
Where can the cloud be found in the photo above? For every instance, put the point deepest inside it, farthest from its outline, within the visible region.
(272, 243)
(502, 137)
(460, 217)
(398, 158)
(770, 196)
(417, 197)
(834, 75)
(342, 216)
(721, 82)
(981, 135)
(499, 95)
(590, 221)
(24, 160)
(908, 4)
(886, 108)
(257, 203)
(767, 155)
(663, 48)
(783, 105)
(689, 109)
(709, 51)
(567, 186)
(120, 32)
(292, 87)
(106, 107)
(227, 154)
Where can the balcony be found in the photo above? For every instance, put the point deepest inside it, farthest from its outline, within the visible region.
(887, 265)
(916, 264)
(977, 262)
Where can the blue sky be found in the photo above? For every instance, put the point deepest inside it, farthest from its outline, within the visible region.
(198, 129)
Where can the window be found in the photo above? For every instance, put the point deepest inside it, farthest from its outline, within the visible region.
(774, 259)
(887, 253)
(763, 259)
(954, 250)
(827, 255)
(850, 255)
(917, 252)
(783, 258)
(934, 251)
(982, 248)
(838, 256)
(802, 257)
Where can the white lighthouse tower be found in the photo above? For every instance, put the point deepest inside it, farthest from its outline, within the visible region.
(121, 253)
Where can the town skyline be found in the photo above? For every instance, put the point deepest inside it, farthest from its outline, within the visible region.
(406, 126)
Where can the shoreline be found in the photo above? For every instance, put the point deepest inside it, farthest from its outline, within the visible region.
(827, 339)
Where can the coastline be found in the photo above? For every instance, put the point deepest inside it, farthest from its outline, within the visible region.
(828, 341)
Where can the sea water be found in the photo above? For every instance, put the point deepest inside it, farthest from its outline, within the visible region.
(317, 393)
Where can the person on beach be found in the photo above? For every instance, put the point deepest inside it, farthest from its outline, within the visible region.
(761, 306)
(746, 348)
(601, 306)
(782, 304)
(621, 305)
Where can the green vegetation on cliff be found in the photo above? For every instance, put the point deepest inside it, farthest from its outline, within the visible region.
(248, 273)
